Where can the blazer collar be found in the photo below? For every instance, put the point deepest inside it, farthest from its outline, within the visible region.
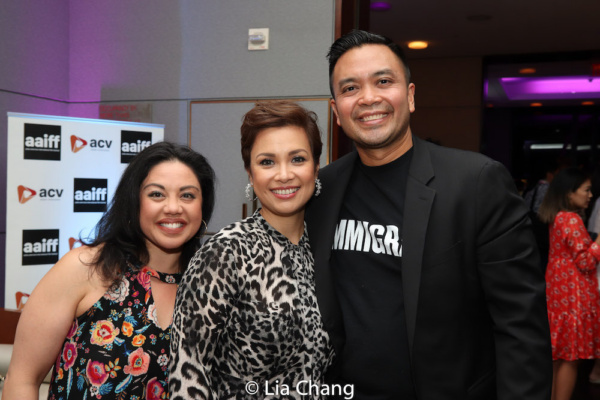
(417, 208)
(322, 216)
(421, 168)
(419, 200)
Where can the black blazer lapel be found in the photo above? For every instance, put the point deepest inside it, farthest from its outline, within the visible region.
(322, 216)
(417, 208)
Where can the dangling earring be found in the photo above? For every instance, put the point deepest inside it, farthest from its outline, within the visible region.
(318, 187)
(201, 235)
(249, 192)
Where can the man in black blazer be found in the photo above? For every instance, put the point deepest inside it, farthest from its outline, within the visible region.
(426, 267)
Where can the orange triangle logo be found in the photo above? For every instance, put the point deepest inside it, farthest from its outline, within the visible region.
(21, 299)
(73, 242)
(25, 194)
(77, 143)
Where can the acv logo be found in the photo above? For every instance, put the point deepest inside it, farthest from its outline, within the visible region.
(74, 243)
(77, 143)
(25, 194)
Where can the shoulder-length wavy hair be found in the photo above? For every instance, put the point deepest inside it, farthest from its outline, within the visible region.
(565, 182)
(118, 233)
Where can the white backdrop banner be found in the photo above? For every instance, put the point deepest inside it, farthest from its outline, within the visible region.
(61, 174)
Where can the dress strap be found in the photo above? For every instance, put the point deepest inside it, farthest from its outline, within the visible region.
(162, 276)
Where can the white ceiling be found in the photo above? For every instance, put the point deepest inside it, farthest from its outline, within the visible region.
(515, 26)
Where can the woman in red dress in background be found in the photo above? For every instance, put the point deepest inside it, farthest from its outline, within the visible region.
(571, 283)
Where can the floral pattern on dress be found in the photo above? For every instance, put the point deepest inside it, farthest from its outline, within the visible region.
(571, 290)
(116, 350)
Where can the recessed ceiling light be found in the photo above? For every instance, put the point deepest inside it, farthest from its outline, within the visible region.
(380, 5)
(418, 45)
(527, 71)
(536, 104)
(587, 103)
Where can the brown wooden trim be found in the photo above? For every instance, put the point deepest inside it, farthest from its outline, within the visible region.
(8, 325)
(338, 18)
(349, 15)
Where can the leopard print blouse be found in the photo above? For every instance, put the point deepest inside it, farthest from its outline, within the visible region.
(246, 323)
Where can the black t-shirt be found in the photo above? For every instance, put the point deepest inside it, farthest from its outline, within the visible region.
(367, 264)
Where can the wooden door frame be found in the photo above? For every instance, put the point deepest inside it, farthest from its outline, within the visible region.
(349, 15)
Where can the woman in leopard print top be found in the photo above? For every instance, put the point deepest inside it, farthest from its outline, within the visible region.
(246, 322)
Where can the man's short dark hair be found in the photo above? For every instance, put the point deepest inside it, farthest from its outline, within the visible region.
(358, 38)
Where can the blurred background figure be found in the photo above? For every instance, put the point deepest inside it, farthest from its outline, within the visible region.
(571, 283)
(594, 229)
(533, 198)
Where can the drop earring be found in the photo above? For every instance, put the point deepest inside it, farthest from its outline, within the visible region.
(249, 192)
(318, 187)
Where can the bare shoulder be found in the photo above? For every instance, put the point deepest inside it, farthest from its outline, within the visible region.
(76, 265)
(64, 293)
(74, 277)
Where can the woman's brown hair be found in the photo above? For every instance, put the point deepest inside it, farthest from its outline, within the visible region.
(277, 114)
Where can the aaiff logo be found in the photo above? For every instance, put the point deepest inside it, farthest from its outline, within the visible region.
(40, 246)
(90, 195)
(41, 142)
(132, 142)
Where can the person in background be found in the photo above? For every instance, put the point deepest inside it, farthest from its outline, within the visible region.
(593, 212)
(593, 226)
(534, 196)
(571, 283)
(102, 315)
(533, 199)
(426, 269)
(246, 321)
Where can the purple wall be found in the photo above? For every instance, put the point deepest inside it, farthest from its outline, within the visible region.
(34, 43)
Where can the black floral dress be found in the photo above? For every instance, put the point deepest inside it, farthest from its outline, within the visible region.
(117, 350)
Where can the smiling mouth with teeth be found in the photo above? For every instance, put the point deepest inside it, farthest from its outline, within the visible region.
(285, 191)
(173, 225)
(372, 117)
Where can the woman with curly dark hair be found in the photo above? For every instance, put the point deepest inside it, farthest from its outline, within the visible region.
(102, 315)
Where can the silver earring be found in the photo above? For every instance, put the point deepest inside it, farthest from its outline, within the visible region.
(249, 191)
(199, 236)
(318, 187)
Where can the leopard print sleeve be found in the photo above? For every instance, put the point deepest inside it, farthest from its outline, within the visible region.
(247, 314)
(204, 301)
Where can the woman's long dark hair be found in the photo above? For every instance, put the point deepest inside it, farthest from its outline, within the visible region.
(566, 181)
(119, 233)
